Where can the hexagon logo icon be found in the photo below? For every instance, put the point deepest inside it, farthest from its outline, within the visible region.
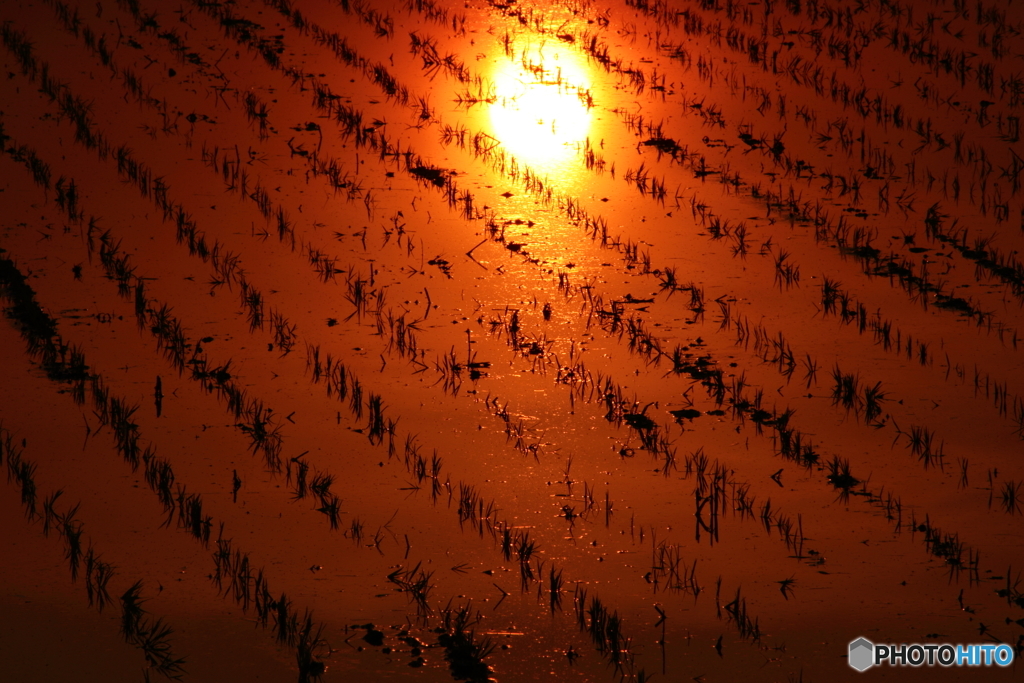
(862, 654)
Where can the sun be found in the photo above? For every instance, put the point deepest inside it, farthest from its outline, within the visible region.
(542, 113)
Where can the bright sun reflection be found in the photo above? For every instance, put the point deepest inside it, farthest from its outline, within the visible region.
(541, 118)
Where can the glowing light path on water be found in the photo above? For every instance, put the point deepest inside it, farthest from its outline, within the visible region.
(540, 117)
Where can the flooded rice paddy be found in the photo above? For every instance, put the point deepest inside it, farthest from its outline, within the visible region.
(369, 340)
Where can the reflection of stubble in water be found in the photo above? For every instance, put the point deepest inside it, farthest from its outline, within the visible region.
(483, 406)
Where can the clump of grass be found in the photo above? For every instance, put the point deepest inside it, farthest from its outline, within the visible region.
(840, 478)
(417, 583)
(152, 637)
(286, 622)
(375, 428)
(923, 445)
(308, 650)
(97, 575)
(746, 625)
(1010, 496)
(873, 398)
(846, 390)
(71, 530)
(464, 651)
(669, 571)
(605, 629)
